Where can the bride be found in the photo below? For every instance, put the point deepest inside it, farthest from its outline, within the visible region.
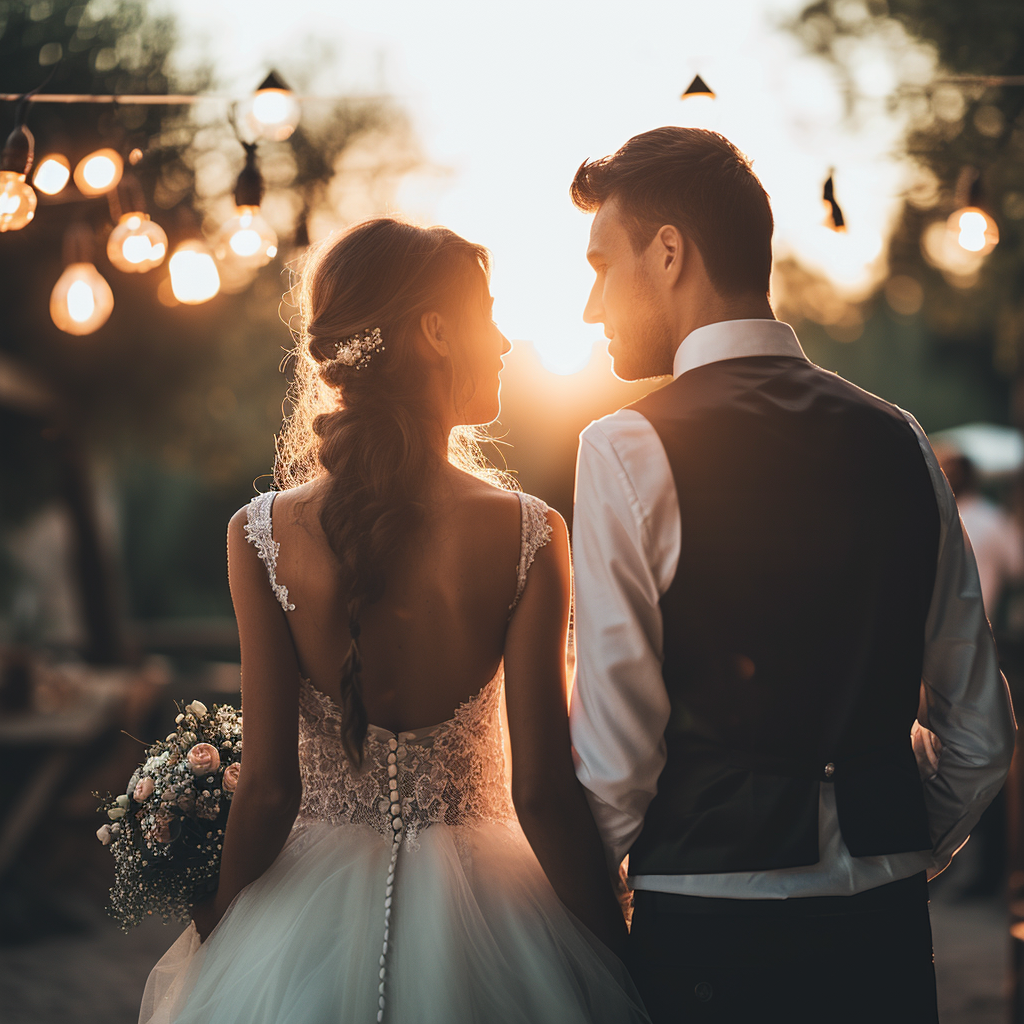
(378, 867)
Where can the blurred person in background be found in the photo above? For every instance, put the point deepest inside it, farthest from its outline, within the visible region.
(995, 536)
(998, 544)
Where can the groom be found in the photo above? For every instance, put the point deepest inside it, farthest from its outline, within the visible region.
(773, 593)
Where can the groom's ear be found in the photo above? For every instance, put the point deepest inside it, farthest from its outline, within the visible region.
(669, 252)
(434, 332)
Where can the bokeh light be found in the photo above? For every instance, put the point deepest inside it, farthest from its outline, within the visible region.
(81, 301)
(52, 173)
(194, 276)
(136, 244)
(99, 172)
(17, 201)
(974, 230)
(274, 114)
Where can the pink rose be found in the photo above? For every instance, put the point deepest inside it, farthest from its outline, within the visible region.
(231, 777)
(103, 834)
(144, 790)
(203, 759)
(162, 829)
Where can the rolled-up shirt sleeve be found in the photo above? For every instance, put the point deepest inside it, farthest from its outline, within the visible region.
(965, 701)
(624, 556)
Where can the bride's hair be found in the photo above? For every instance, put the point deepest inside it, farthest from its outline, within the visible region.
(370, 429)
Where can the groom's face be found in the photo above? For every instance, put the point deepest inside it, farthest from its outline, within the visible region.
(624, 298)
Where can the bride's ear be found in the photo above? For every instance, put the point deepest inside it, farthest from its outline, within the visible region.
(433, 331)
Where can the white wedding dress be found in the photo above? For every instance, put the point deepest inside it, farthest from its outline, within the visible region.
(406, 891)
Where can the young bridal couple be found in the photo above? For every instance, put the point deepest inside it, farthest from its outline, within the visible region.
(787, 711)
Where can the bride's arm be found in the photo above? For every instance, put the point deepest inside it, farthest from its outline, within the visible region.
(549, 800)
(269, 787)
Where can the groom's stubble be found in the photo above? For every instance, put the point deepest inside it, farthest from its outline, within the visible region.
(647, 349)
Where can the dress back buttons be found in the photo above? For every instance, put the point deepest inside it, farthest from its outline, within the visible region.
(703, 991)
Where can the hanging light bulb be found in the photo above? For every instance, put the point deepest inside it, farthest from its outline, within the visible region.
(974, 230)
(247, 241)
(17, 197)
(274, 112)
(52, 173)
(99, 172)
(194, 276)
(136, 244)
(81, 301)
(698, 87)
(970, 227)
(834, 218)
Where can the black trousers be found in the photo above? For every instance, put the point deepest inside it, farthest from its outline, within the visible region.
(864, 959)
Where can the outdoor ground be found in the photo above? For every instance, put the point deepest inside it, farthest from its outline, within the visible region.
(82, 970)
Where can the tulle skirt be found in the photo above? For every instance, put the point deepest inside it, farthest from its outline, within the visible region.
(476, 935)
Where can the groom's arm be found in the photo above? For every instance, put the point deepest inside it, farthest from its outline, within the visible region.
(625, 550)
(964, 698)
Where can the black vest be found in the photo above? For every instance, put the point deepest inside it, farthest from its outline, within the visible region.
(794, 626)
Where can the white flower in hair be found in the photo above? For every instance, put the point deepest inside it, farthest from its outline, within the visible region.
(357, 350)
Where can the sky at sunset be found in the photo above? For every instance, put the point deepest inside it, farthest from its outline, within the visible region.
(508, 98)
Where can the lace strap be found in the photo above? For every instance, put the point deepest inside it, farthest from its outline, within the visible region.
(259, 531)
(535, 532)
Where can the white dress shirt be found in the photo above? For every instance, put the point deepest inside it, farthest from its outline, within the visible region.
(626, 547)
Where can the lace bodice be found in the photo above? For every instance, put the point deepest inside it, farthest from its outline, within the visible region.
(453, 772)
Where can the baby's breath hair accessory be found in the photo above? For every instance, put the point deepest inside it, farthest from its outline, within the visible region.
(358, 350)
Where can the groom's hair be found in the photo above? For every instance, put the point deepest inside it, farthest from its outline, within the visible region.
(698, 182)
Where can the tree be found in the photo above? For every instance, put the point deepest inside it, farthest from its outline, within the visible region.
(958, 128)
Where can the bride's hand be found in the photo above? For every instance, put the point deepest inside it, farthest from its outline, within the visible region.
(205, 916)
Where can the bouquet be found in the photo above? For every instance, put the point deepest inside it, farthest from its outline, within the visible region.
(166, 831)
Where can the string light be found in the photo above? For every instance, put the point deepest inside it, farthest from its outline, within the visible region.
(834, 218)
(194, 276)
(247, 241)
(17, 197)
(698, 87)
(974, 230)
(274, 112)
(52, 173)
(136, 244)
(970, 226)
(81, 301)
(99, 172)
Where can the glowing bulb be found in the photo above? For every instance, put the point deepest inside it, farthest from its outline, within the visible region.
(17, 201)
(974, 230)
(246, 239)
(136, 244)
(274, 114)
(81, 300)
(194, 276)
(52, 173)
(99, 172)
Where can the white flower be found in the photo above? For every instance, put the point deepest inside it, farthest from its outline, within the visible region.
(103, 834)
(179, 719)
(116, 812)
(122, 801)
(198, 708)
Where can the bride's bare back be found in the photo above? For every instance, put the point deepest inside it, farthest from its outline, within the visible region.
(438, 633)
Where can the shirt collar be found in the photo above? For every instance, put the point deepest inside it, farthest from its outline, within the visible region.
(735, 339)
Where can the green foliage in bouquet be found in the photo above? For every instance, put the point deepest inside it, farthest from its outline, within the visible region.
(166, 831)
